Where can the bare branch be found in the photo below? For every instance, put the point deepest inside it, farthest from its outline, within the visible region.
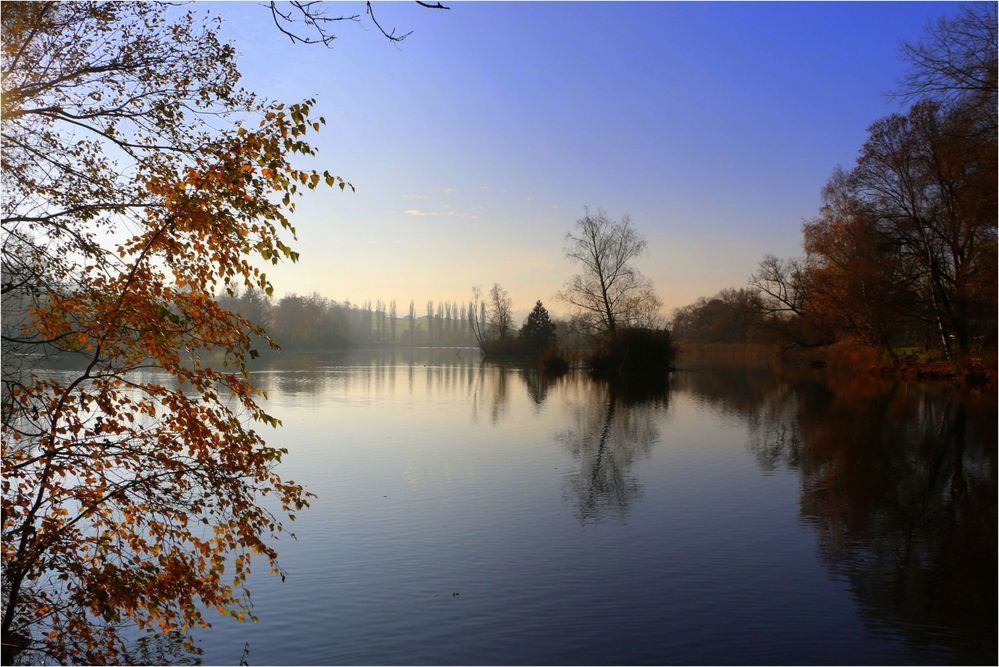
(310, 14)
(391, 36)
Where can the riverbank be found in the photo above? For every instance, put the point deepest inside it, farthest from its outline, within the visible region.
(920, 366)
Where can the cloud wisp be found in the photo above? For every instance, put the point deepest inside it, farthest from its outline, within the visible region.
(442, 212)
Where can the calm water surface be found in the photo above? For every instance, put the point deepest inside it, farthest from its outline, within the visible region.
(474, 514)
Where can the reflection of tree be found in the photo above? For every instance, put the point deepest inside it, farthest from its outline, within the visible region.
(612, 426)
(490, 388)
(538, 384)
(162, 649)
(757, 397)
(500, 397)
(900, 484)
(902, 489)
(291, 382)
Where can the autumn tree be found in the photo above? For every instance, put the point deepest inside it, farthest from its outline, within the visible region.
(861, 281)
(929, 178)
(730, 316)
(784, 292)
(139, 180)
(906, 239)
(308, 322)
(609, 291)
(251, 303)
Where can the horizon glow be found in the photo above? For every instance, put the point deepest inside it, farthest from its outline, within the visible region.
(476, 143)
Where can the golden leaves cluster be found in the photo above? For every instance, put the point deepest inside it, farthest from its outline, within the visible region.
(134, 486)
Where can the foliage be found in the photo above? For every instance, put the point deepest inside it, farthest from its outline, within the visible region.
(903, 251)
(907, 238)
(315, 322)
(538, 332)
(138, 181)
(928, 179)
(731, 316)
(307, 323)
(505, 349)
(535, 342)
(553, 363)
(609, 292)
(784, 291)
(861, 282)
(635, 353)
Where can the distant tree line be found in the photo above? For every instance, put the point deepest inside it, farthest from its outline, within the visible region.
(316, 322)
(616, 328)
(902, 254)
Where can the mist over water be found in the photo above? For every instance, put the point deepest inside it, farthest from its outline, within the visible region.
(473, 513)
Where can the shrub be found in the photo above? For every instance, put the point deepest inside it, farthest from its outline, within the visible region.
(634, 352)
(504, 349)
(553, 363)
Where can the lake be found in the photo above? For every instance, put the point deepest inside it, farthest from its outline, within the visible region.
(471, 514)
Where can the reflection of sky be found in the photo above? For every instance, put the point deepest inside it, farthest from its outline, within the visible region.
(675, 539)
(476, 143)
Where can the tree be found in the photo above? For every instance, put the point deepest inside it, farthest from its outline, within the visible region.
(306, 22)
(252, 304)
(500, 312)
(929, 179)
(731, 316)
(430, 323)
(955, 63)
(538, 332)
(308, 322)
(784, 289)
(412, 322)
(477, 318)
(782, 285)
(138, 181)
(907, 238)
(861, 282)
(439, 324)
(610, 292)
(394, 319)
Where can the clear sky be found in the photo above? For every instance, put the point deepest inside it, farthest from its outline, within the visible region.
(475, 144)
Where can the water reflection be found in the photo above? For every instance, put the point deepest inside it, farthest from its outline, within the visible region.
(610, 427)
(900, 485)
(365, 372)
(746, 518)
(162, 649)
(538, 385)
(500, 394)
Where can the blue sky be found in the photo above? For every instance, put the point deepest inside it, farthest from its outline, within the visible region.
(475, 144)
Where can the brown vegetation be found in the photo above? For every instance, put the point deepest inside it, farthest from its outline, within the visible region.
(902, 255)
